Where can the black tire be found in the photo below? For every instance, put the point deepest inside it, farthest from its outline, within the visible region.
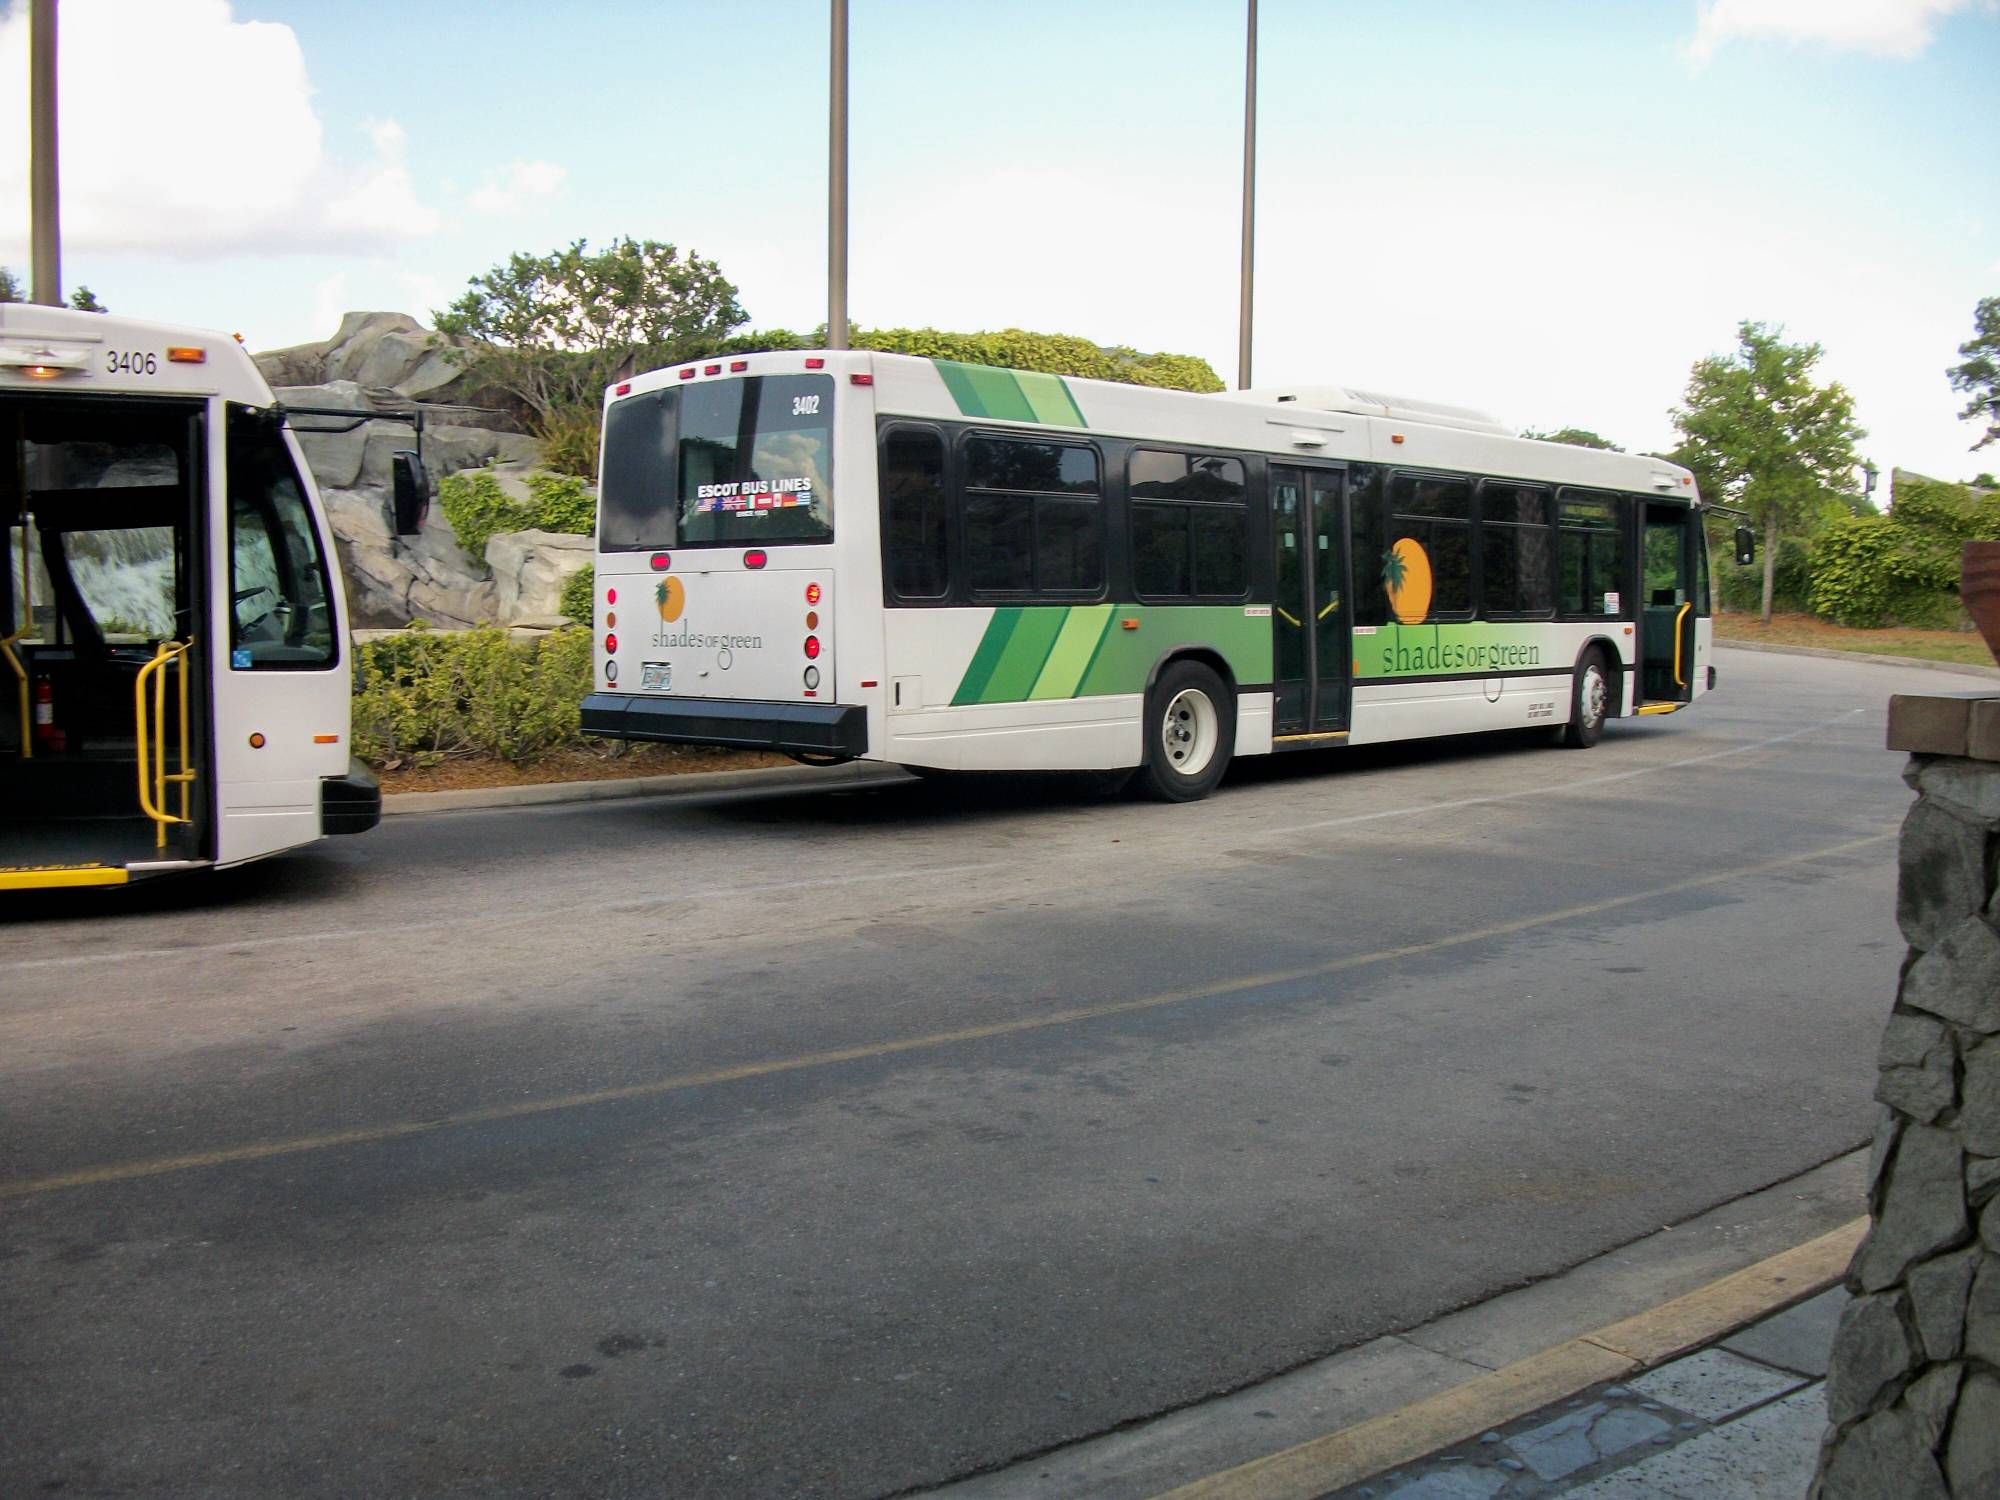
(1589, 702)
(1190, 730)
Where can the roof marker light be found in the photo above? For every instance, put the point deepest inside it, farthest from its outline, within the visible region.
(688, 373)
(861, 380)
(739, 364)
(711, 369)
(815, 364)
(624, 388)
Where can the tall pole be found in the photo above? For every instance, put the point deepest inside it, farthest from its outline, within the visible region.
(1249, 200)
(836, 210)
(46, 236)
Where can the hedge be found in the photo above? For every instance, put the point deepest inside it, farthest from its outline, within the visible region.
(423, 696)
(478, 508)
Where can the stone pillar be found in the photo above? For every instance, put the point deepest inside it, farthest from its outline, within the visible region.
(1913, 1390)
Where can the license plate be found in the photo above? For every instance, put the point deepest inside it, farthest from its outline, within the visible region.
(656, 677)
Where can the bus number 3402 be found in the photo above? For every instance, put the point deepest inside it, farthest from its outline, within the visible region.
(131, 362)
(805, 406)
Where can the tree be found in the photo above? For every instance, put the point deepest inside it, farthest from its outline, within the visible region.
(10, 289)
(553, 330)
(1759, 433)
(1979, 376)
(83, 299)
(1576, 437)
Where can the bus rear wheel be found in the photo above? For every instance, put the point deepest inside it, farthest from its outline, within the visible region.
(1589, 703)
(1190, 730)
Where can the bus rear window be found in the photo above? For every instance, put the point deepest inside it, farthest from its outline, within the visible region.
(756, 461)
(635, 495)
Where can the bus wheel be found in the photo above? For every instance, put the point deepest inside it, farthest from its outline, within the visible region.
(1190, 730)
(1589, 702)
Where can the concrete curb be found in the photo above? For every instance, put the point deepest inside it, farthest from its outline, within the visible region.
(688, 784)
(1614, 1352)
(1865, 656)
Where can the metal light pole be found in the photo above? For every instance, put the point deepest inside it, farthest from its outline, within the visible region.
(1249, 201)
(836, 211)
(46, 235)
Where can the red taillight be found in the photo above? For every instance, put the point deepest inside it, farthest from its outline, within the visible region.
(812, 593)
(611, 596)
(611, 645)
(755, 558)
(711, 369)
(812, 648)
(624, 388)
(739, 364)
(815, 364)
(861, 380)
(661, 562)
(688, 373)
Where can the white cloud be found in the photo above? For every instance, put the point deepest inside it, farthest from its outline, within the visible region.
(1888, 28)
(510, 191)
(187, 132)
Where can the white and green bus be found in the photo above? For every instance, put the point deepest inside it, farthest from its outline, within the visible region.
(846, 555)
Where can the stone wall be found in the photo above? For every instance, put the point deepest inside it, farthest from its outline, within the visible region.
(1913, 1391)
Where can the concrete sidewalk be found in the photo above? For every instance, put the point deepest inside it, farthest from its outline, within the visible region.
(1740, 1419)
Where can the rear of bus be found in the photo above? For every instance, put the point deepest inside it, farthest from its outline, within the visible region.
(733, 579)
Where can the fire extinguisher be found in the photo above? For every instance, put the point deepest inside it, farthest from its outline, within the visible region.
(47, 736)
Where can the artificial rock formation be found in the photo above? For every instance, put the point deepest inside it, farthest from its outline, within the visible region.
(1913, 1390)
(384, 362)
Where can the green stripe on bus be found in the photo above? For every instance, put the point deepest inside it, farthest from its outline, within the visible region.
(999, 630)
(1027, 653)
(1075, 647)
(1050, 399)
(1009, 395)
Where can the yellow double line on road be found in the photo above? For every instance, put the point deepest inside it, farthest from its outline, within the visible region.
(361, 1135)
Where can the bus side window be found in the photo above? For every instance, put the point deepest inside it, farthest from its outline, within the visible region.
(1590, 555)
(1190, 525)
(1033, 523)
(913, 514)
(1436, 512)
(280, 617)
(1517, 574)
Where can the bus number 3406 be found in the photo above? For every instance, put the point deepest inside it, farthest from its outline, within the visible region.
(131, 362)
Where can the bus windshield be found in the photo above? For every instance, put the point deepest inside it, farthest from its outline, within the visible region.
(722, 463)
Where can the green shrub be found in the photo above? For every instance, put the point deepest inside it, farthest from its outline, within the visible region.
(478, 507)
(1741, 590)
(426, 696)
(579, 595)
(1052, 353)
(569, 440)
(1873, 571)
(562, 503)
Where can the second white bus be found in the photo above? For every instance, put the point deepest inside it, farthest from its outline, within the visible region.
(850, 555)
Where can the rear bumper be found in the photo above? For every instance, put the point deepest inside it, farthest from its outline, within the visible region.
(350, 803)
(808, 728)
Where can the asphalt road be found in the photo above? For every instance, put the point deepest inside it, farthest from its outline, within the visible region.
(837, 1143)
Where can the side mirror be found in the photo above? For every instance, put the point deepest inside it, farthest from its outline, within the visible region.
(413, 493)
(1746, 546)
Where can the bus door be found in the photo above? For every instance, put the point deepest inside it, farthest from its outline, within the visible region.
(1312, 669)
(281, 688)
(104, 753)
(1667, 604)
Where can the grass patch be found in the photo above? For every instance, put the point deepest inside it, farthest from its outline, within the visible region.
(1962, 647)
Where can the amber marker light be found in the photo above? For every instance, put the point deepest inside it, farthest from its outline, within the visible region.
(326, 739)
(186, 354)
(1128, 624)
(812, 619)
(256, 742)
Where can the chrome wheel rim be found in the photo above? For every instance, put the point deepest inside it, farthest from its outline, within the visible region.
(1594, 696)
(1189, 732)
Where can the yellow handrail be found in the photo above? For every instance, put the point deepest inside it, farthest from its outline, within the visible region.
(1679, 680)
(153, 774)
(21, 672)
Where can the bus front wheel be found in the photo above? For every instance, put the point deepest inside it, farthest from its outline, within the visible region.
(1589, 702)
(1190, 731)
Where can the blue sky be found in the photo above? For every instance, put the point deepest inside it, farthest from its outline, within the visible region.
(1549, 210)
